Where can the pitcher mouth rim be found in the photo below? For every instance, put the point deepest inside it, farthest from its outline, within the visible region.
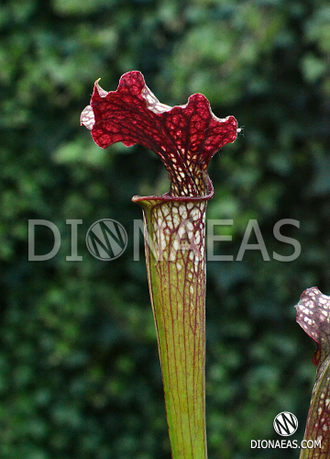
(167, 197)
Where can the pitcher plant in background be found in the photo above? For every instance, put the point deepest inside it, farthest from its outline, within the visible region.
(313, 315)
(185, 137)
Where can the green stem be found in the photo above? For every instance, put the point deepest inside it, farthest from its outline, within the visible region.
(175, 255)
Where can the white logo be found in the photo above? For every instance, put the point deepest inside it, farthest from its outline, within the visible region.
(285, 424)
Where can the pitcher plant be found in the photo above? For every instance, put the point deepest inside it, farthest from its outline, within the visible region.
(313, 315)
(185, 137)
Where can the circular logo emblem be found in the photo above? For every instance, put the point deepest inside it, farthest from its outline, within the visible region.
(106, 239)
(285, 424)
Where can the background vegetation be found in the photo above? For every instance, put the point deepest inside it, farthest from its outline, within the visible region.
(79, 371)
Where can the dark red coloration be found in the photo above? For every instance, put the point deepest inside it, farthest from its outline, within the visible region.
(186, 137)
(313, 315)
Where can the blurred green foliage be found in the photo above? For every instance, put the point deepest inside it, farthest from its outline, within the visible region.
(79, 371)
